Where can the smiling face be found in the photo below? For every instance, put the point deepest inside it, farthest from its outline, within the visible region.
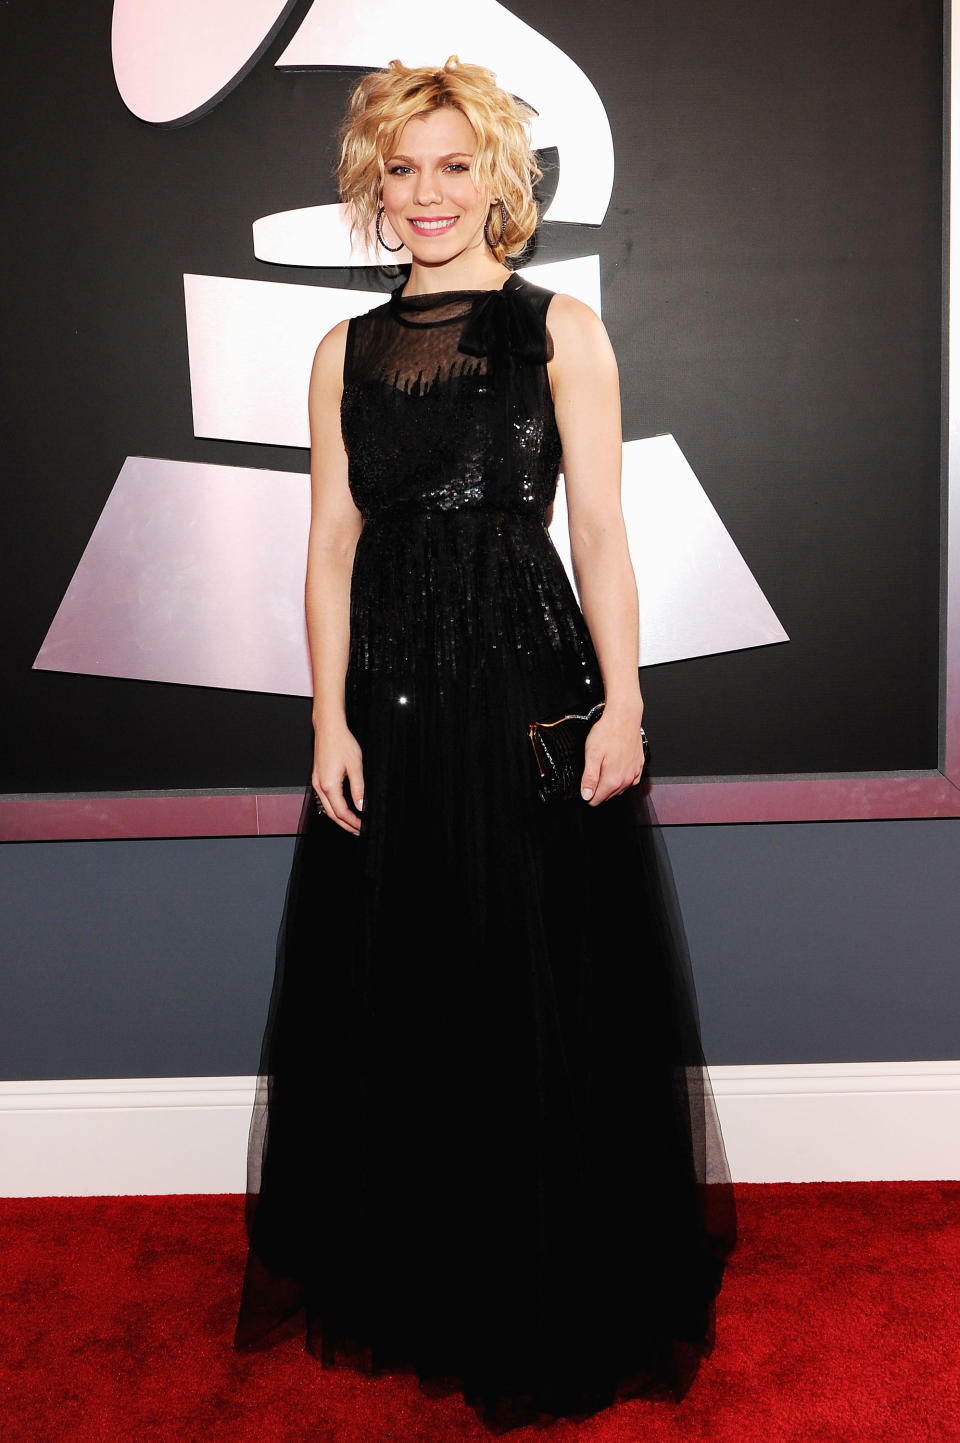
(428, 196)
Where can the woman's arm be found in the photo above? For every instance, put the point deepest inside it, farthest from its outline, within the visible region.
(335, 525)
(587, 401)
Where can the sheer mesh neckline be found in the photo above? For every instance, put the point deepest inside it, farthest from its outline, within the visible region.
(456, 304)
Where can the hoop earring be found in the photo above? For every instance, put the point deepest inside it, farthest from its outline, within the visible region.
(380, 234)
(503, 227)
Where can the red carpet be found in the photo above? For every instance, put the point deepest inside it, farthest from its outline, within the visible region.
(839, 1320)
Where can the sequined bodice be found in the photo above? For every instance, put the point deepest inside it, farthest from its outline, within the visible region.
(458, 595)
(447, 406)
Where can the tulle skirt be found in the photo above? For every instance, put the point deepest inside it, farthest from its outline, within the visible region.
(484, 1147)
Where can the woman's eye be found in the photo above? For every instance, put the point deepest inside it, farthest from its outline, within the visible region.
(397, 169)
(457, 165)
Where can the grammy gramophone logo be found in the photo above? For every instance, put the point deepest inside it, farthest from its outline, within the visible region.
(194, 571)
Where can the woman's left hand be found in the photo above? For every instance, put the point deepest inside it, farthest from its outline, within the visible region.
(613, 754)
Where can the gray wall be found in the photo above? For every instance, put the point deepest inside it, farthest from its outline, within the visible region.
(833, 942)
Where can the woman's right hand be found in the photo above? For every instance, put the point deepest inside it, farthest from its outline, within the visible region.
(337, 754)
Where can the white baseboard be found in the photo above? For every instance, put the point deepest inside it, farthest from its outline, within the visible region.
(781, 1122)
(840, 1121)
(124, 1135)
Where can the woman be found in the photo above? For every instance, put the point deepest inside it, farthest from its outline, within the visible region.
(484, 1148)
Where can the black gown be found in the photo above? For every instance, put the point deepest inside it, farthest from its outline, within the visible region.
(484, 1147)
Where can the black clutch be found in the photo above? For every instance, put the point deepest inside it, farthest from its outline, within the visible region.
(558, 749)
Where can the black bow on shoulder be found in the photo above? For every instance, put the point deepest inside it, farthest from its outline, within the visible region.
(503, 325)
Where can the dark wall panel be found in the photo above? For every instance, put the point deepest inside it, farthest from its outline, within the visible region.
(771, 272)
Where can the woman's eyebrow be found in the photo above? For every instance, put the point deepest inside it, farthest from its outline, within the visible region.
(454, 155)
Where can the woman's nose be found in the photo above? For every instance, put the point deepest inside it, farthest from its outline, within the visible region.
(428, 191)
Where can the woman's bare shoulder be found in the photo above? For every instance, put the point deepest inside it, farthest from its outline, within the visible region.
(329, 356)
(579, 335)
(334, 342)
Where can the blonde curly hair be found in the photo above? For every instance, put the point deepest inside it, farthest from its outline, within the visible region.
(504, 164)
